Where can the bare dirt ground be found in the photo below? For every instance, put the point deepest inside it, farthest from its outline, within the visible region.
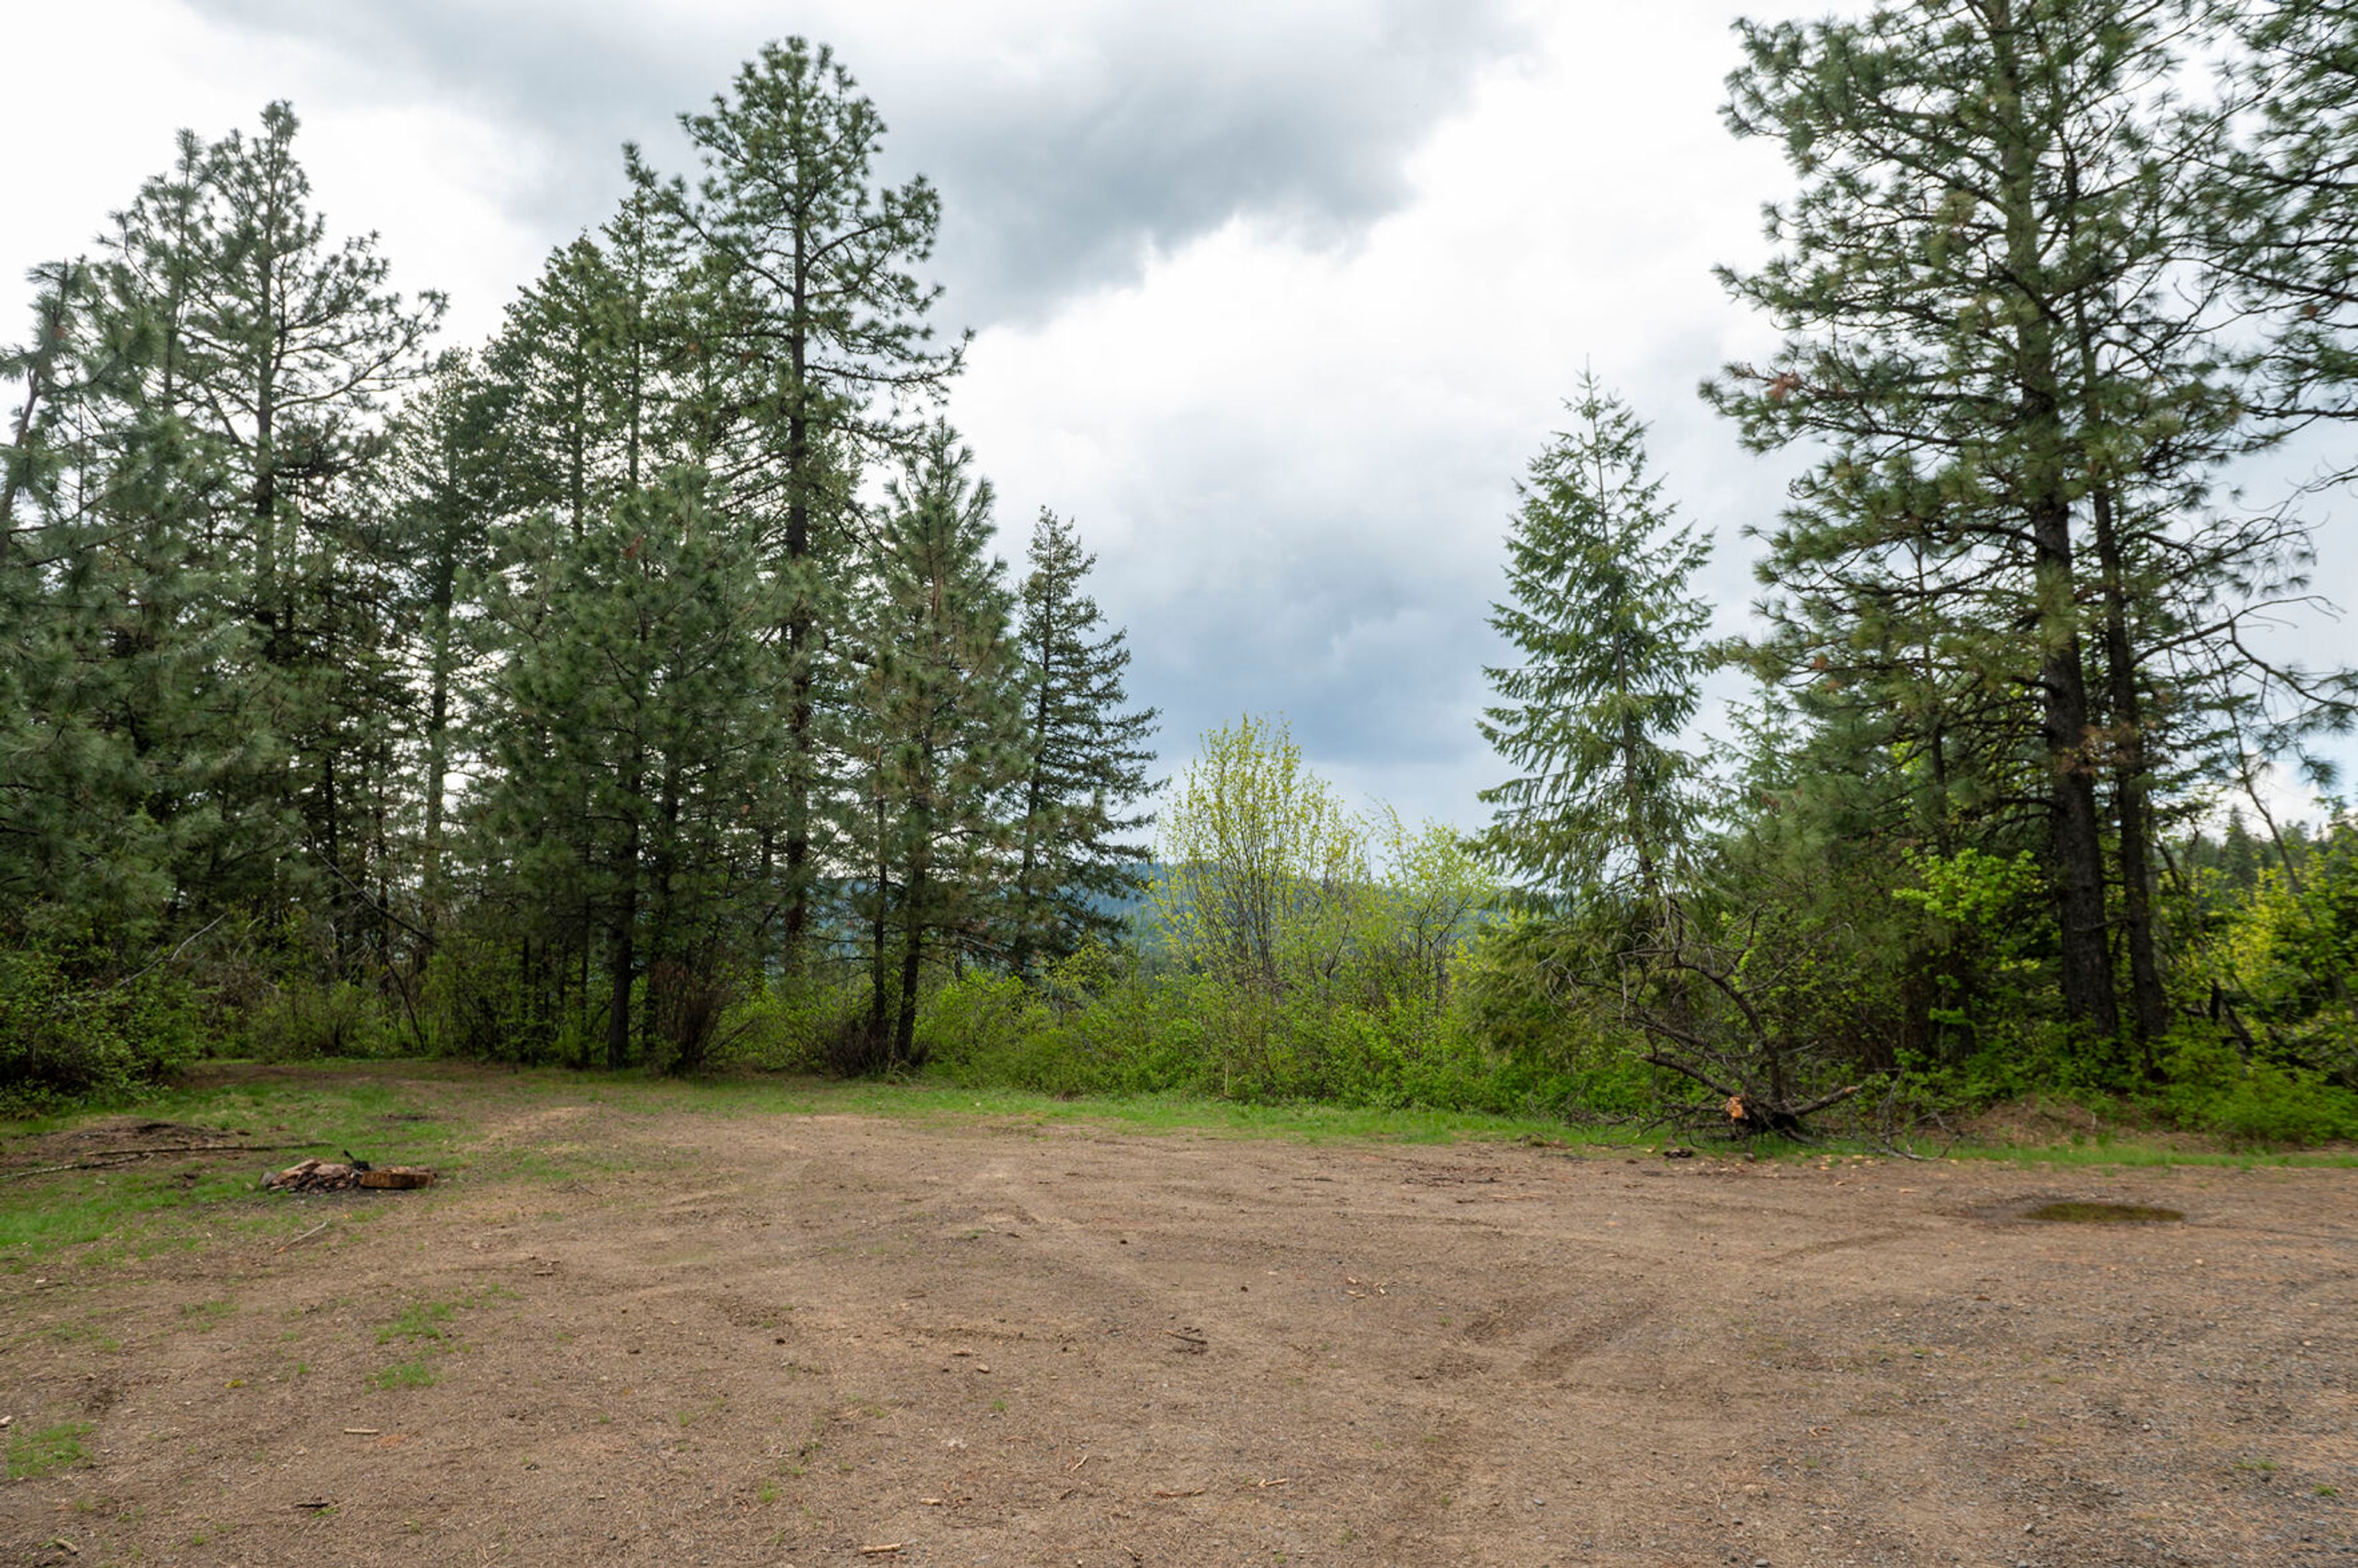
(838, 1339)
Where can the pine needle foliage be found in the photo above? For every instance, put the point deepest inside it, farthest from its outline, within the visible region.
(1087, 752)
(1612, 636)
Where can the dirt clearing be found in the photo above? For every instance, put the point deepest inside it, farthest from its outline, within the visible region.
(617, 1334)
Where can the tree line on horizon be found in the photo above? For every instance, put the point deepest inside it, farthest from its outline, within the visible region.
(644, 678)
(565, 688)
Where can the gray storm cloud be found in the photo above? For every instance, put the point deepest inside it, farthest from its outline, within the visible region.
(1071, 143)
(1259, 564)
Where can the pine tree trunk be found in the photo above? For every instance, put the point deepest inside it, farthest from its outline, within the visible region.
(1020, 957)
(622, 957)
(438, 728)
(622, 963)
(912, 904)
(621, 936)
(2075, 833)
(2148, 1003)
(879, 1004)
(665, 861)
(796, 933)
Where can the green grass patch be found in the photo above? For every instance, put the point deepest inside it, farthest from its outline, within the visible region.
(411, 1114)
(418, 1374)
(431, 1328)
(50, 1213)
(140, 1209)
(204, 1316)
(420, 1321)
(50, 1448)
(928, 1101)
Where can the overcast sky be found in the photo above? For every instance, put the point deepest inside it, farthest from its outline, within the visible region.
(1274, 298)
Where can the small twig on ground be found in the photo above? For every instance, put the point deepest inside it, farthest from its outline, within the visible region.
(42, 1171)
(305, 1237)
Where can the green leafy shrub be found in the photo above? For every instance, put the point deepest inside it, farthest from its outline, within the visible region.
(1133, 1035)
(790, 1026)
(304, 1020)
(62, 1041)
(2212, 1089)
(472, 1003)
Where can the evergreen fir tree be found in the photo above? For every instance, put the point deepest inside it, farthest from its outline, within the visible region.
(2283, 206)
(1613, 647)
(628, 715)
(454, 450)
(295, 346)
(554, 356)
(87, 628)
(1087, 755)
(223, 492)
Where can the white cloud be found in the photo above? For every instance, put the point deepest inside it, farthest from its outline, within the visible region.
(1298, 463)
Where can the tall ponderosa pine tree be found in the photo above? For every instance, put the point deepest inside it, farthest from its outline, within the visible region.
(2282, 229)
(818, 322)
(1612, 649)
(448, 487)
(593, 370)
(1087, 755)
(1989, 327)
(104, 715)
(939, 723)
(206, 551)
(627, 724)
(293, 347)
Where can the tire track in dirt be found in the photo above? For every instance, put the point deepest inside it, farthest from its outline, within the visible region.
(1338, 1353)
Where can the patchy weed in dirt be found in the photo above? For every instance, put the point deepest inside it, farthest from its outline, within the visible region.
(421, 1320)
(2074, 1212)
(51, 1449)
(418, 1374)
(204, 1316)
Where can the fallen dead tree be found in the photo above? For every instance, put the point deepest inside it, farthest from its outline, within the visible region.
(1737, 1014)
